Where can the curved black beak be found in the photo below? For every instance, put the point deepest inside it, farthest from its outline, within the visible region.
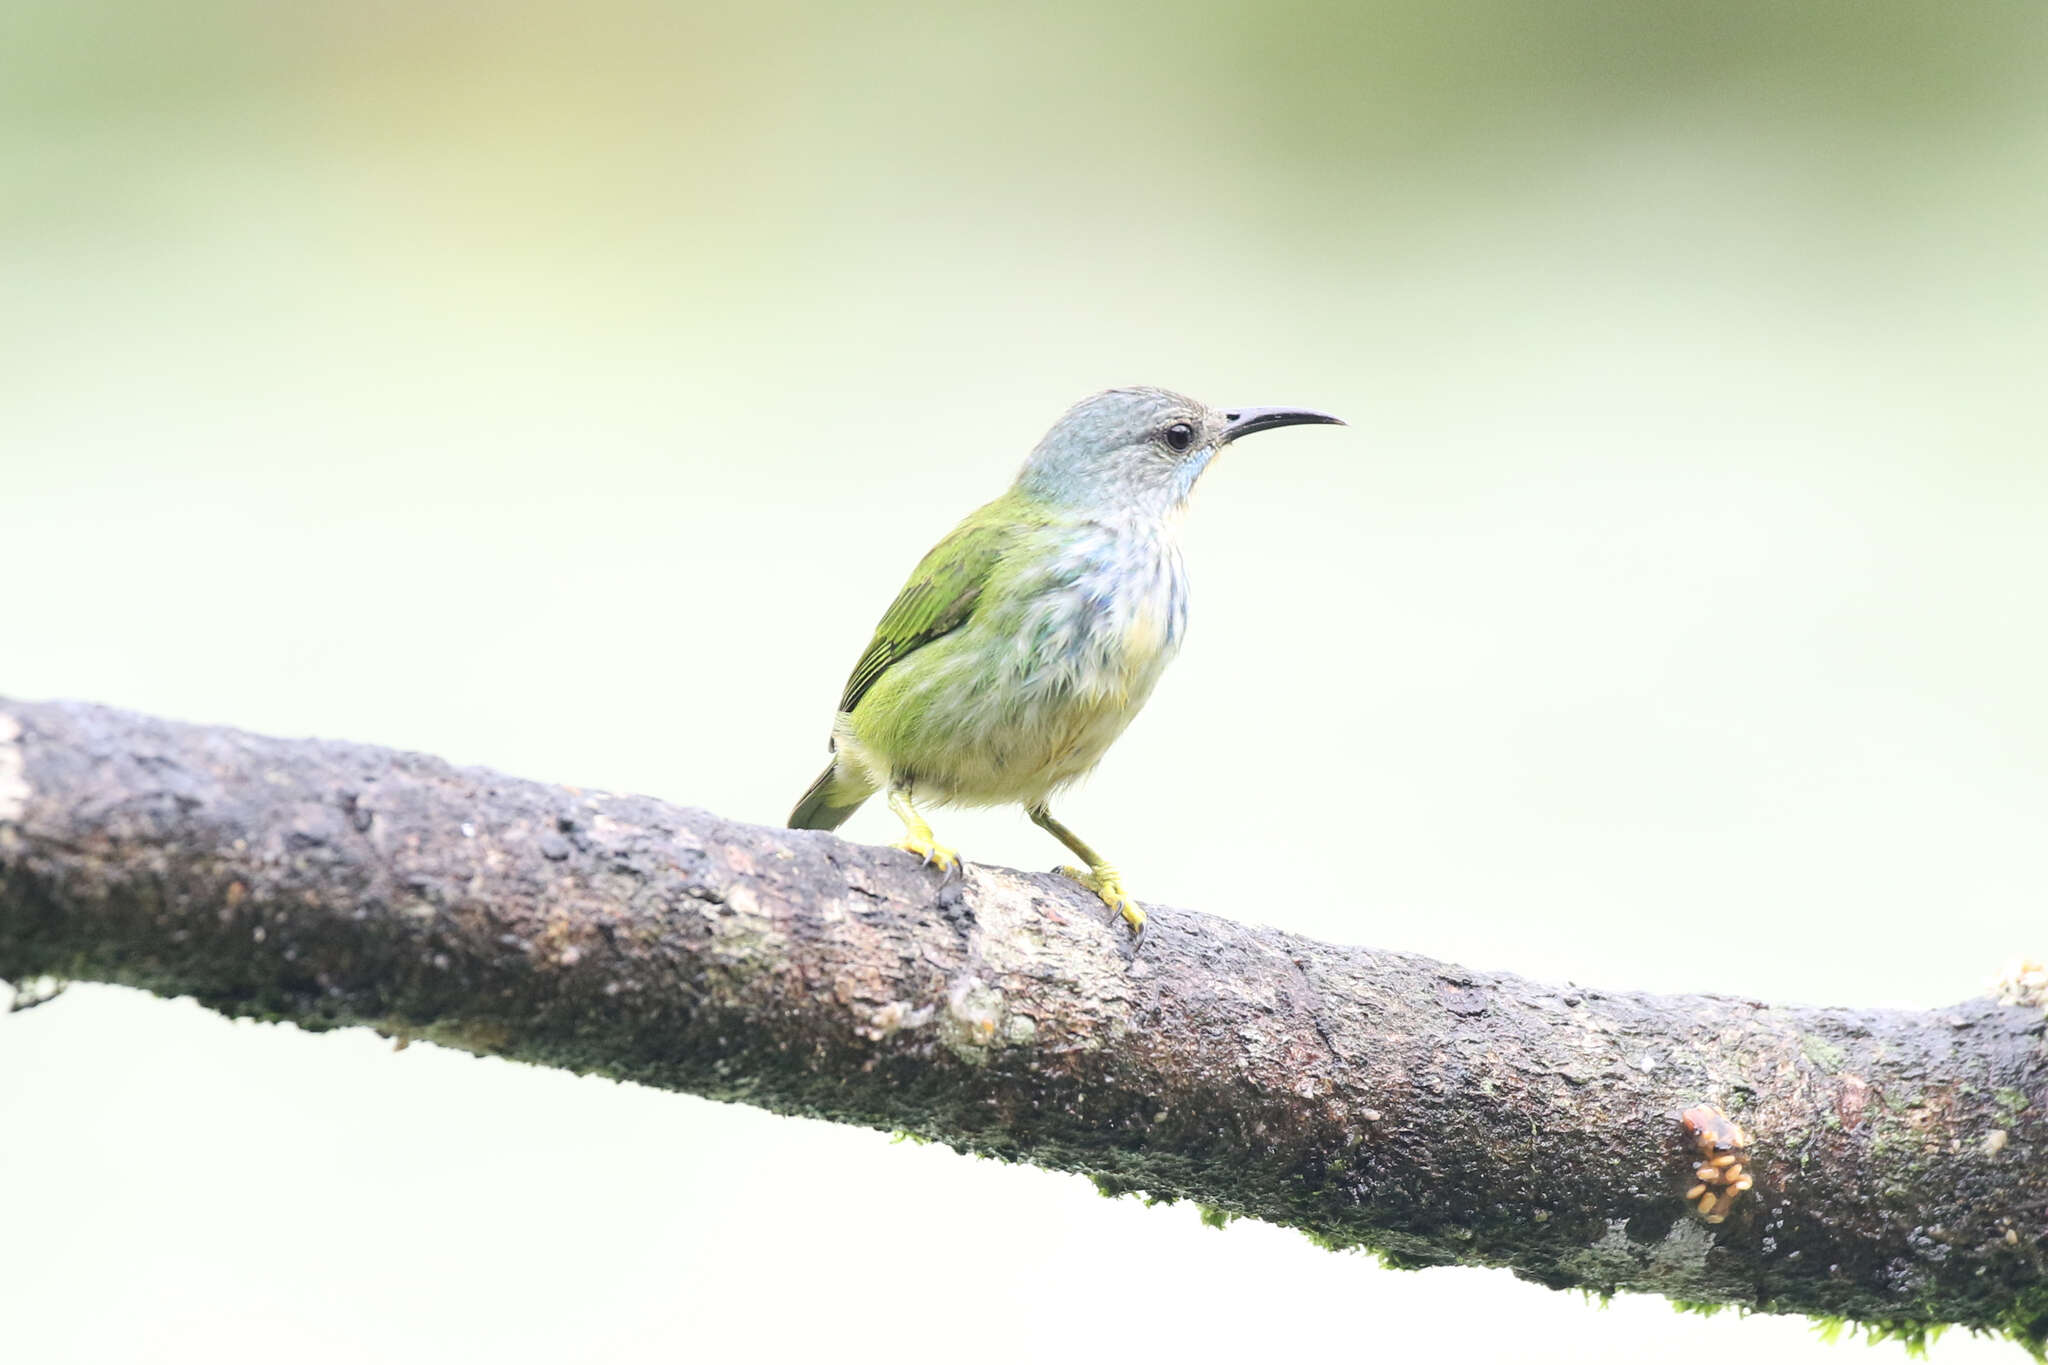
(1245, 421)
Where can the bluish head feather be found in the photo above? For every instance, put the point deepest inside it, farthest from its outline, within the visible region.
(1138, 449)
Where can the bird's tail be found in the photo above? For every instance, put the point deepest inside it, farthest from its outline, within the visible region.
(832, 798)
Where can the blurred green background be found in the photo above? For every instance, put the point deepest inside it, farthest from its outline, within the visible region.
(568, 388)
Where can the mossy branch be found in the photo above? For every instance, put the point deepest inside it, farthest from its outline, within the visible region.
(1898, 1161)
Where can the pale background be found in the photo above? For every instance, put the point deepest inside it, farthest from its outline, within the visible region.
(567, 389)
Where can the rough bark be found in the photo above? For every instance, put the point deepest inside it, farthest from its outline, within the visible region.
(1433, 1113)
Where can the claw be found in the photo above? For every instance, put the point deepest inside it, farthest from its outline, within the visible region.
(917, 835)
(934, 853)
(1105, 882)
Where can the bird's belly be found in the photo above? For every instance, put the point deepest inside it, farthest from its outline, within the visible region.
(968, 732)
(1062, 740)
(1024, 751)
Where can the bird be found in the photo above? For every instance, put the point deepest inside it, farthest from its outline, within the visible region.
(1029, 637)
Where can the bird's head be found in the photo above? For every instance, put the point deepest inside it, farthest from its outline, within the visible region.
(1140, 449)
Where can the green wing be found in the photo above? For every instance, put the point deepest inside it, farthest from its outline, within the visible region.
(939, 598)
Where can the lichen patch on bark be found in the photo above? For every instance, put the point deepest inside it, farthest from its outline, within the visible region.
(14, 791)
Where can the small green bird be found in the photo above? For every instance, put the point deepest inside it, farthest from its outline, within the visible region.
(1027, 639)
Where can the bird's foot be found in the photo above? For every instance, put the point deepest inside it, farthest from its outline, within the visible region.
(1107, 883)
(934, 853)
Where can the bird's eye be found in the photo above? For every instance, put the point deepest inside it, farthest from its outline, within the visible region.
(1180, 436)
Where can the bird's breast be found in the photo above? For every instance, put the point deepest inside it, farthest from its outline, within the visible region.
(1060, 657)
(1109, 614)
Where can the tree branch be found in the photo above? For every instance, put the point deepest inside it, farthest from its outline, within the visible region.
(1433, 1113)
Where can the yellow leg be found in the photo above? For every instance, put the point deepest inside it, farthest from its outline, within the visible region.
(917, 836)
(1100, 877)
